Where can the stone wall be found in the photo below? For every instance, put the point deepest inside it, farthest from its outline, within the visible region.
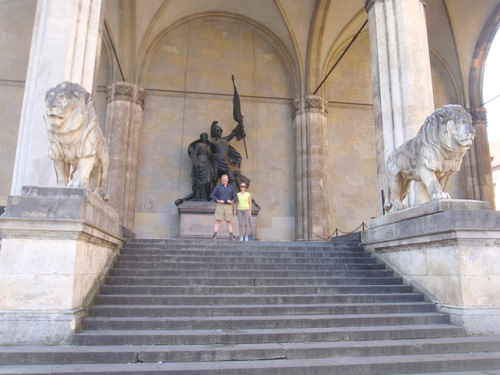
(352, 164)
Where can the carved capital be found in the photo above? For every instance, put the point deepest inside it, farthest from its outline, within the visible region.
(126, 91)
(297, 107)
(369, 3)
(478, 114)
(310, 104)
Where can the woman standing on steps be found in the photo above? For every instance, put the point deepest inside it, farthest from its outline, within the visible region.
(244, 211)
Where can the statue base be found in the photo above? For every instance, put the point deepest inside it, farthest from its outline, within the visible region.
(197, 221)
(57, 245)
(450, 250)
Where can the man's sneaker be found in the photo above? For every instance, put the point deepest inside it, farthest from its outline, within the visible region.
(246, 238)
(231, 237)
(241, 238)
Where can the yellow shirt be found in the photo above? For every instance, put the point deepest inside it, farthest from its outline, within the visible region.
(243, 201)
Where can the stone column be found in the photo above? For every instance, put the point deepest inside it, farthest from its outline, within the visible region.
(480, 160)
(123, 125)
(310, 122)
(401, 73)
(63, 48)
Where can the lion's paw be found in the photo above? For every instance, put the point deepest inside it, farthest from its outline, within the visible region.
(100, 192)
(440, 195)
(400, 207)
(396, 206)
(77, 183)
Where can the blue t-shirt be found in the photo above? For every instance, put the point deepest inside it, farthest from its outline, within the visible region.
(227, 193)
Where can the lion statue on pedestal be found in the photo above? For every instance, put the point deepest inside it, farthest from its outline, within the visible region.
(76, 143)
(430, 158)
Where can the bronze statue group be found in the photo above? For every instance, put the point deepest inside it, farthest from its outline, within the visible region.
(214, 159)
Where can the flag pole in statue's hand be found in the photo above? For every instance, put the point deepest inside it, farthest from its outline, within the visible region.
(238, 117)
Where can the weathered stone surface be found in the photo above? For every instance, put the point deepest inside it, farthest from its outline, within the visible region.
(56, 245)
(124, 118)
(312, 206)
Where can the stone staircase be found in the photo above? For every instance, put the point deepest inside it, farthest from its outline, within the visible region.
(230, 307)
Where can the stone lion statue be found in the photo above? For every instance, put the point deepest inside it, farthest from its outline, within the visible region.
(430, 158)
(76, 143)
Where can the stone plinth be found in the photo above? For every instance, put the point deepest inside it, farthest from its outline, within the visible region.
(57, 245)
(449, 249)
(197, 221)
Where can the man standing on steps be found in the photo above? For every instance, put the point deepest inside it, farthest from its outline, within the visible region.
(225, 195)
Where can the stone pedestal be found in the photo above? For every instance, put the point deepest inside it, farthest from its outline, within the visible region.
(57, 245)
(197, 221)
(449, 249)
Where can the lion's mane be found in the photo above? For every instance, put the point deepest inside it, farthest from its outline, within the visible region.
(83, 120)
(434, 142)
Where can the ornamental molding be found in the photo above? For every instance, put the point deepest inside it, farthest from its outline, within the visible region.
(310, 104)
(126, 91)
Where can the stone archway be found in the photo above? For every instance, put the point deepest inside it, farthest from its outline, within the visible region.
(187, 75)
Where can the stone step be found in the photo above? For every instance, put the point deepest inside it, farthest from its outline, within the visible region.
(26, 355)
(235, 248)
(144, 272)
(242, 265)
(254, 336)
(252, 281)
(452, 363)
(299, 253)
(261, 322)
(259, 310)
(241, 258)
(389, 291)
(254, 299)
(200, 243)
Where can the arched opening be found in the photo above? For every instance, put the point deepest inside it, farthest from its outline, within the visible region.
(187, 76)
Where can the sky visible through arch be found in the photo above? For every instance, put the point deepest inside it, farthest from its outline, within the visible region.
(491, 94)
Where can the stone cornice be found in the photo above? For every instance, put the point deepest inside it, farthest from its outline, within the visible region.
(126, 91)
